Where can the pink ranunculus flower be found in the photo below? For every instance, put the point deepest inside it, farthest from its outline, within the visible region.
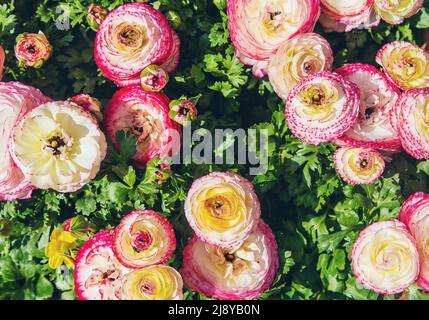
(98, 274)
(144, 238)
(395, 11)
(297, 58)
(405, 64)
(375, 127)
(222, 209)
(322, 107)
(359, 165)
(146, 115)
(2, 59)
(259, 27)
(32, 49)
(344, 16)
(239, 273)
(415, 214)
(385, 258)
(132, 37)
(411, 114)
(58, 145)
(16, 100)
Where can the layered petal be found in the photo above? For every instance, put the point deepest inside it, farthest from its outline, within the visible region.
(395, 11)
(32, 49)
(415, 214)
(59, 146)
(222, 209)
(146, 115)
(243, 272)
(346, 15)
(385, 257)
(359, 165)
(322, 107)
(16, 100)
(412, 114)
(405, 64)
(378, 96)
(259, 27)
(98, 275)
(144, 238)
(132, 37)
(153, 283)
(297, 58)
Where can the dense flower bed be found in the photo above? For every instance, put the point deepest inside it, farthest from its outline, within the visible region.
(91, 95)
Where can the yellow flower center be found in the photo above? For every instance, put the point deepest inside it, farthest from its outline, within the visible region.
(131, 36)
(58, 144)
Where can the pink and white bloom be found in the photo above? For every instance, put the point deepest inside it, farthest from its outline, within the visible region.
(412, 114)
(153, 283)
(243, 272)
(385, 258)
(359, 165)
(146, 115)
(58, 146)
(132, 37)
(98, 275)
(222, 209)
(259, 27)
(322, 107)
(297, 58)
(405, 64)
(415, 214)
(16, 100)
(375, 127)
(144, 238)
(346, 15)
(395, 11)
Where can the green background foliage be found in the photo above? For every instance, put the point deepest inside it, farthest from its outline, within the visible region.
(314, 215)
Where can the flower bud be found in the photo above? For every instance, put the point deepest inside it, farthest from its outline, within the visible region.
(154, 78)
(87, 102)
(95, 16)
(183, 111)
(32, 49)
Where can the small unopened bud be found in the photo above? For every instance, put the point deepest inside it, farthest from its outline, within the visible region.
(95, 16)
(154, 78)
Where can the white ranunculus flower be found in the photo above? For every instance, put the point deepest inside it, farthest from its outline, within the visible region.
(59, 146)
